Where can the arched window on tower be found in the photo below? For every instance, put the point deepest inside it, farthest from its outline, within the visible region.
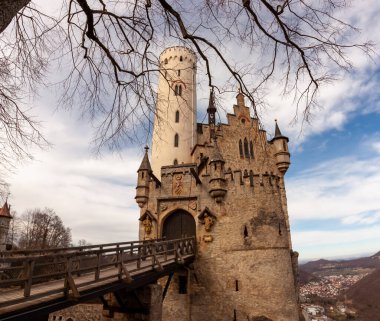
(180, 58)
(166, 61)
(251, 149)
(178, 90)
(177, 116)
(241, 148)
(246, 152)
(175, 161)
(176, 140)
(179, 73)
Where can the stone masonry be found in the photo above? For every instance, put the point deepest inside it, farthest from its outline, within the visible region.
(234, 191)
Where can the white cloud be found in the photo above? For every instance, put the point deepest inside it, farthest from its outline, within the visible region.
(362, 218)
(335, 189)
(336, 243)
(376, 147)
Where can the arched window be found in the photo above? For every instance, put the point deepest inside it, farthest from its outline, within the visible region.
(251, 149)
(176, 140)
(241, 148)
(180, 58)
(246, 152)
(166, 61)
(175, 161)
(178, 90)
(179, 72)
(177, 116)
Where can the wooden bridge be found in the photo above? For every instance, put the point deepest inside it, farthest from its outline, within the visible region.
(38, 282)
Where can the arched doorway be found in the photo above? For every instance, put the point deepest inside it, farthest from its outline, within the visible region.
(178, 224)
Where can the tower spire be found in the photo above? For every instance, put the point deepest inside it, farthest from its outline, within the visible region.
(277, 132)
(211, 110)
(145, 164)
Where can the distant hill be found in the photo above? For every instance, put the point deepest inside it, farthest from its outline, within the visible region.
(321, 266)
(306, 277)
(364, 296)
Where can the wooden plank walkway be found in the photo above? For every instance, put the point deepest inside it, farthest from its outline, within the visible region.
(38, 277)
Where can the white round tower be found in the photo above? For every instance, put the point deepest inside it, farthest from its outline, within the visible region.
(174, 133)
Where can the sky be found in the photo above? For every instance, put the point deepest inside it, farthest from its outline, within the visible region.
(333, 184)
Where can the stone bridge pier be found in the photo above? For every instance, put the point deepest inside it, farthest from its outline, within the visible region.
(142, 304)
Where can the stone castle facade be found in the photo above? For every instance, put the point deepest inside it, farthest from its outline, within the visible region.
(5, 221)
(223, 184)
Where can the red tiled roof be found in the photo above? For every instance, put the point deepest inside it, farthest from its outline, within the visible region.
(5, 211)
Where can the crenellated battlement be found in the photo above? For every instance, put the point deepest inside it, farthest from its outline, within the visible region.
(175, 53)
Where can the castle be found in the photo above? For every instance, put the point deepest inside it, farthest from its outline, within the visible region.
(5, 220)
(223, 184)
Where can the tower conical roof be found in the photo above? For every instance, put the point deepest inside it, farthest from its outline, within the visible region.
(145, 164)
(277, 133)
(5, 210)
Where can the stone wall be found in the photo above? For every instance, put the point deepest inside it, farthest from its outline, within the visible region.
(243, 269)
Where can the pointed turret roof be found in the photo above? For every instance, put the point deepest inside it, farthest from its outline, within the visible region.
(211, 103)
(145, 164)
(5, 211)
(277, 133)
(216, 155)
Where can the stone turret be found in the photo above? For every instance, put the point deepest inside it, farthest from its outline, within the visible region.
(174, 132)
(281, 153)
(5, 220)
(142, 189)
(217, 186)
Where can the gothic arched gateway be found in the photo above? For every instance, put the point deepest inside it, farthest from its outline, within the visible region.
(178, 224)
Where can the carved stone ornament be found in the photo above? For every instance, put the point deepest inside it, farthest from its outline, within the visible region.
(208, 222)
(207, 218)
(193, 205)
(163, 207)
(178, 185)
(147, 225)
(208, 238)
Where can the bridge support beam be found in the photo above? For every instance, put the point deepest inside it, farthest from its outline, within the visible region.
(143, 304)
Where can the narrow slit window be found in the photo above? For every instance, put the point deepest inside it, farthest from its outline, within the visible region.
(251, 149)
(240, 148)
(179, 72)
(178, 90)
(180, 58)
(166, 61)
(279, 229)
(245, 231)
(236, 285)
(177, 116)
(176, 140)
(284, 145)
(246, 152)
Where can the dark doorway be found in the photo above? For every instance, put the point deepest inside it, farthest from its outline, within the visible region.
(178, 224)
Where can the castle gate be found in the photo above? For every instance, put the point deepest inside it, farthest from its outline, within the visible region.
(178, 224)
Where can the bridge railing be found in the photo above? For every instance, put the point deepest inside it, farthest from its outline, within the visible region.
(68, 270)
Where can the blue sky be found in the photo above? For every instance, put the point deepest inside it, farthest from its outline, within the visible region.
(333, 184)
